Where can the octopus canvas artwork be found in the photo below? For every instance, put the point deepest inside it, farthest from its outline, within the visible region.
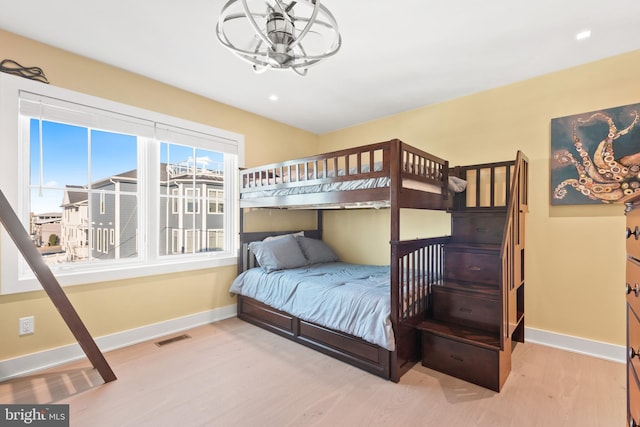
(595, 156)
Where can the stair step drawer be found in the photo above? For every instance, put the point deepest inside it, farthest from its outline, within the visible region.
(467, 310)
(478, 227)
(472, 267)
(465, 361)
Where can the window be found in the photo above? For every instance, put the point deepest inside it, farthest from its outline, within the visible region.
(102, 203)
(105, 240)
(215, 240)
(175, 201)
(175, 241)
(216, 201)
(192, 241)
(118, 177)
(99, 239)
(192, 200)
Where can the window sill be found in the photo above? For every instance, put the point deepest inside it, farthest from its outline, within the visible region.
(76, 276)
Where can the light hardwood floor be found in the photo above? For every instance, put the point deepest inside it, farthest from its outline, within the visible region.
(231, 373)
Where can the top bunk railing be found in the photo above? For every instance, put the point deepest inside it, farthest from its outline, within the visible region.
(418, 165)
(363, 162)
(335, 166)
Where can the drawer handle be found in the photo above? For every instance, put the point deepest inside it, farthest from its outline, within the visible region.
(456, 358)
(635, 289)
(474, 268)
(466, 310)
(635, 232)
(634, 353)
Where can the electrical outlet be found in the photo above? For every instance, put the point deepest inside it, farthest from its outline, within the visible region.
(26, 325)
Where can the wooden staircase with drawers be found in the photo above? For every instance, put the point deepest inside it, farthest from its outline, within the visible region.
(477, 310)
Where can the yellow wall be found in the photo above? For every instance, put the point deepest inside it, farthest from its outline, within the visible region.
(108, 308)
(575, 255)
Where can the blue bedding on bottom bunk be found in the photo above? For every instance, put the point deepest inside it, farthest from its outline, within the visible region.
(350, 298)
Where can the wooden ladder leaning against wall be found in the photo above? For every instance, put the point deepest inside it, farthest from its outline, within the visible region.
(477, 310)
(52, 287)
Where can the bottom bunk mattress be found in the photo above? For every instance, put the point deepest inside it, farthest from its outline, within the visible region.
(351, 298)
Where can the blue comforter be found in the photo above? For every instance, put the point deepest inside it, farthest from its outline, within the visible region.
(346, 297)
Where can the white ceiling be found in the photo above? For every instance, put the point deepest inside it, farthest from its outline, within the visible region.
(396, 55)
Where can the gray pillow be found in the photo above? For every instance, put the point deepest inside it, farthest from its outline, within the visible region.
(280, 236)
(278, 254)
(316, 251)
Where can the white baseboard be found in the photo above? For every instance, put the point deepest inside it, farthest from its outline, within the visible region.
(601, 350)
(24, 365)
(30, 363)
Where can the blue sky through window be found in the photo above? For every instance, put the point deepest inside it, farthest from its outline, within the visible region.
(65, 159)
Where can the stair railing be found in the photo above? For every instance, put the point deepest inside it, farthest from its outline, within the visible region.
(496, 186)
(511, 252)
(487, 186)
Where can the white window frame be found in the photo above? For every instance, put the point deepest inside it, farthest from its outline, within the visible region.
(99, 239)
(192, 241)
(105, 240)
(175, 200)
(191, 198)
(215, 232)
(175, 241)
(14, 162)
(215, 197)
(102, 202)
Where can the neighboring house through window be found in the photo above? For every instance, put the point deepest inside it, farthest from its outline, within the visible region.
(115, 177)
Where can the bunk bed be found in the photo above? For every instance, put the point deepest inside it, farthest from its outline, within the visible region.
(388, 174)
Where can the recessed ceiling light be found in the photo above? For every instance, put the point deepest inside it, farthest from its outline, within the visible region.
(583, 35)
(273, 97)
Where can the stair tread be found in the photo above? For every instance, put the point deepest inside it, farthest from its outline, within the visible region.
(481, 210)
(472, 287)
(474, 245)
(496, 210)
(461, 333)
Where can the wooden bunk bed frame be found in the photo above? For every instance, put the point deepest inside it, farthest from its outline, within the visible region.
(417, 180)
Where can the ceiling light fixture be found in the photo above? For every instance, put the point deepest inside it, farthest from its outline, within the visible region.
(583, 35)
(275, 34)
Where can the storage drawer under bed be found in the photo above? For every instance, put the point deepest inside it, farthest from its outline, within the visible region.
(345, 347)
(267, 317)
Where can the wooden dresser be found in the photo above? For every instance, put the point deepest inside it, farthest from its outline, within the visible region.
(633, 311)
